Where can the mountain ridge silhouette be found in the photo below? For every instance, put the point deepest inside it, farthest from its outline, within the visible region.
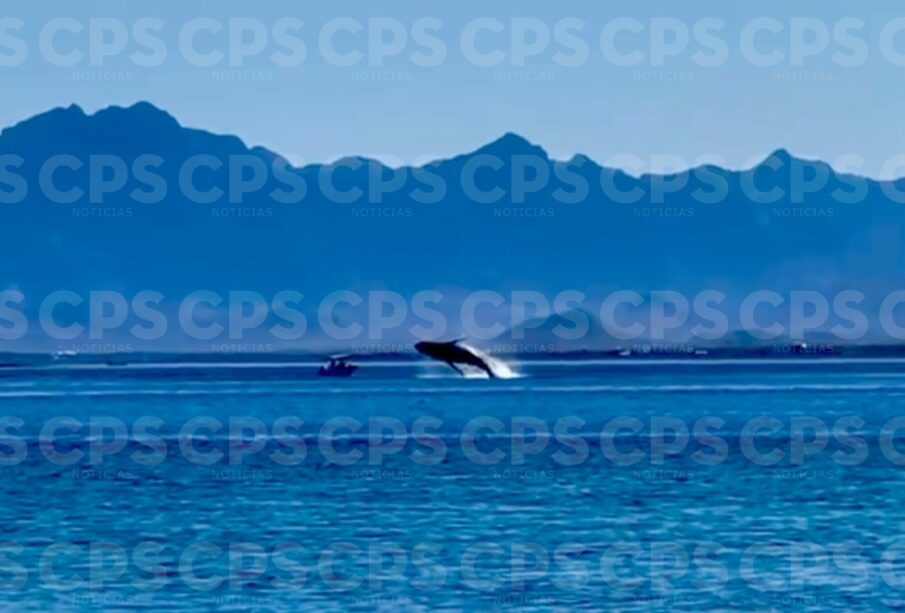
(414, 228)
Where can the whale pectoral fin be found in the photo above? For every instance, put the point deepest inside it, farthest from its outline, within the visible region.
(488, 370)
(456, 368)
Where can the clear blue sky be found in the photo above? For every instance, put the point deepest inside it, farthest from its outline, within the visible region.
(317, 111)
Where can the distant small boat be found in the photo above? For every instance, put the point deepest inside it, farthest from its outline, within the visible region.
(64, 354)
(337, 367)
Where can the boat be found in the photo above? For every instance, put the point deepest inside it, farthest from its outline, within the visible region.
(337, 367)
(64, 354)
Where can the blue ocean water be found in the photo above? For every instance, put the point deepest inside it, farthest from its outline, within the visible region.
(490, 506)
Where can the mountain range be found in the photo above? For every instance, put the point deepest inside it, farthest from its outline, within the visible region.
(567, 226)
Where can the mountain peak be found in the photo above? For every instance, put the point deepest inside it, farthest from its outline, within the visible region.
(511, 143)
(783, 158)
(580, 159)
(142, 112)
(780, 155)
(511, 138)
(65, 116)
(141, 116)
(62, 113)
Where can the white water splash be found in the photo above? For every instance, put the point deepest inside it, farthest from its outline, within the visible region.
(500, 368)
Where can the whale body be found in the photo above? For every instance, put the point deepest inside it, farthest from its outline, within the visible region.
(453, 352)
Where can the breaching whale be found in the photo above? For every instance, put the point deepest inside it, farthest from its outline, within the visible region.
(452, 352)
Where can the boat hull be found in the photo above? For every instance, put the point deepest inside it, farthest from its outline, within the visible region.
(337, 372)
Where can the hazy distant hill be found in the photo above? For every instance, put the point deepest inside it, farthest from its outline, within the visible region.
(574, 330)
(428, 233)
